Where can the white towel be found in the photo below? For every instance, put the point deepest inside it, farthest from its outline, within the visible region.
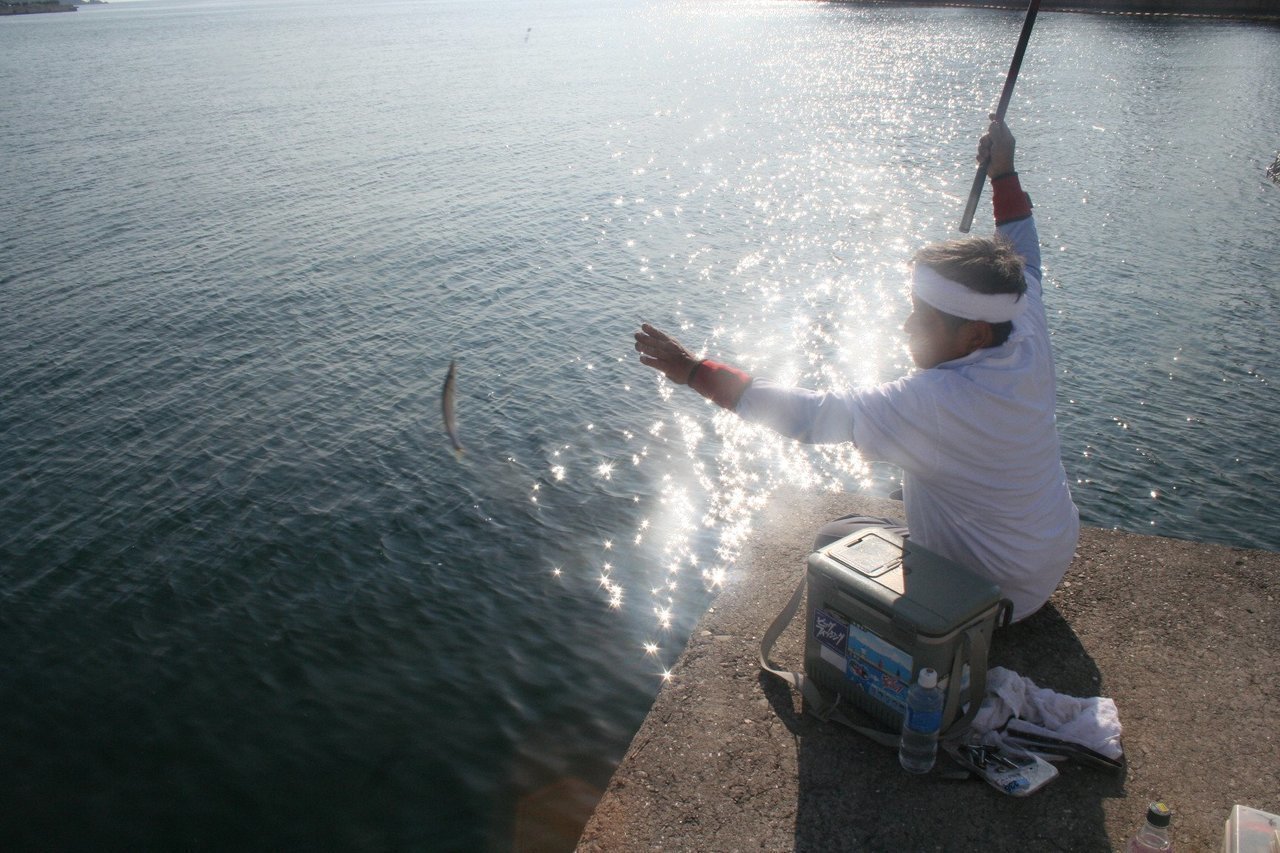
(1094, 722)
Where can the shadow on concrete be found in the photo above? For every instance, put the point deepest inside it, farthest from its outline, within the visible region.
(853, 795)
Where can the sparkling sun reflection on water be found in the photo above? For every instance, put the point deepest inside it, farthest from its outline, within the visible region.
(783, 251)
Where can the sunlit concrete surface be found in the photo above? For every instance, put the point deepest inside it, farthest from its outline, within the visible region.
(1184, 636)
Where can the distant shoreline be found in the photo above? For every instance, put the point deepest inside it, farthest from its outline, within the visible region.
(44, 6)
(34, 8)
(1263, 11)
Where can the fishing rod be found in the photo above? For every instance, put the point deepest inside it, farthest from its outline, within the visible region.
(981, 178)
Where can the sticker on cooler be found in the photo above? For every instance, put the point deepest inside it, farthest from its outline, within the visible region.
(879, 668)
(833, 635)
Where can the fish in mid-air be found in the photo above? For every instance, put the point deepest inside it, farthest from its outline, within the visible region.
(446, 406)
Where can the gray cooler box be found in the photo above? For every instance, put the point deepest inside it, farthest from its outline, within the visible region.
(881, 608)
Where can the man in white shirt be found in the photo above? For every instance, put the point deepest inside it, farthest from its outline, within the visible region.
(973, 429)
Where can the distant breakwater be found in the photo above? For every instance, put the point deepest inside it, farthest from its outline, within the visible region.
(1251, 10)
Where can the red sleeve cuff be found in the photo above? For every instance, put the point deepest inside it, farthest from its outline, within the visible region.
(1008, 201)
(719, 383)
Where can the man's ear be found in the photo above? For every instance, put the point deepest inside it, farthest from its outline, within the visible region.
(975, 335)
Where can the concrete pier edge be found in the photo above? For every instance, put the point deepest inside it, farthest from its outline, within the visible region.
(1183, 636)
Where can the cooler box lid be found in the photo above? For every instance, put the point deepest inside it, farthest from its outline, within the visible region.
(914, 587)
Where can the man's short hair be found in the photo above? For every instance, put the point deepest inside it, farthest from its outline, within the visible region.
(982, 264)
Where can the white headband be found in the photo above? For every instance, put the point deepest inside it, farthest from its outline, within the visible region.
(951, 297)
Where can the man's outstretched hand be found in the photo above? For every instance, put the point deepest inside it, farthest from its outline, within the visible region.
(665, 354)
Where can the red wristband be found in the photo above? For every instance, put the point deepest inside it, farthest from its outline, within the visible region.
(719, 383)
(1008, 201)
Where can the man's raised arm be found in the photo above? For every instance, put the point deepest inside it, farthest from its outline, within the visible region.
(1011, 206)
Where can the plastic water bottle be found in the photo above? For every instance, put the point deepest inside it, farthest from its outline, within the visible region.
(1154, 837)
(918, 747)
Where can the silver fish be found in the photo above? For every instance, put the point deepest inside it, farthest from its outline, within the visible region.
(446, 406)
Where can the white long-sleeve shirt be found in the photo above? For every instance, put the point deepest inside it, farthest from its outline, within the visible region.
(983, 480)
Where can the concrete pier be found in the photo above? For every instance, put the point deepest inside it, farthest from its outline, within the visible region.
(1185, 637)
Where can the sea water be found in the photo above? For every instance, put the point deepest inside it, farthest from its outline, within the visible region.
(250, 597)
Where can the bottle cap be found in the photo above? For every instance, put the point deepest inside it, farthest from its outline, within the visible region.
(929, 679)
(1158, 814)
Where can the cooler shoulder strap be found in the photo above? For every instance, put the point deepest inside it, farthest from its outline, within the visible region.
(815, 702)
(974, 651)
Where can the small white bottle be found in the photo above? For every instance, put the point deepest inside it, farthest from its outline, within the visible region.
(1154, 837)
(918, 746)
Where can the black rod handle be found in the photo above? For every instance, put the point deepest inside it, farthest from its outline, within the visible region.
(975, 192)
